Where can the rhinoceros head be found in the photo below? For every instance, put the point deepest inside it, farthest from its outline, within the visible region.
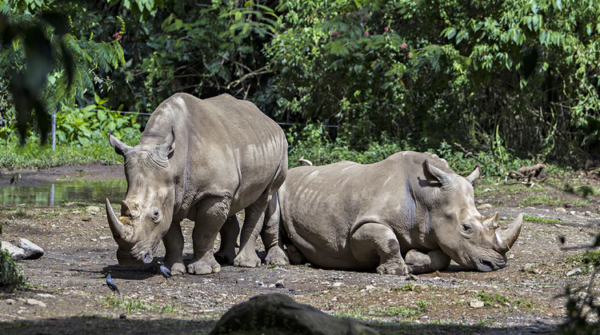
(147, 210)
(470, 239)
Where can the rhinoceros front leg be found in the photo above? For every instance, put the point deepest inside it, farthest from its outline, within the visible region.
(229, 233)
(419, 262)
(253, 223)
(211, 215)
(372, 242)
(173, 241)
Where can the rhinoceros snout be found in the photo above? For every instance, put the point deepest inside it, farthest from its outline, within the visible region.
(487, 266)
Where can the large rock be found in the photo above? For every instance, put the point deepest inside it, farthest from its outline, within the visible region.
(32, 250)
(15, 252)
(278, 314)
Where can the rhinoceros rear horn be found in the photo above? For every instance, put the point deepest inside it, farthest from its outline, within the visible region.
(509, 235)
(167, 148)
(474, 175)
(441, 176)
(120, 147)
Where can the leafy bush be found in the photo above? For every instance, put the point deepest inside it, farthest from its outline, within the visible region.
(10, 275)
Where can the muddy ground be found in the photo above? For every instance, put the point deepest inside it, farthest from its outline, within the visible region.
(519, 299)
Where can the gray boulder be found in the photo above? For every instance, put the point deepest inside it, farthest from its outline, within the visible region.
(15, 252)
(32, 250)
(278, 314)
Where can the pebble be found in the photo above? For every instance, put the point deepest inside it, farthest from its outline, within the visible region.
(10, 301)
(411, 277)
(35, 302)
(587, 213)
(560, 210)
(87, 219)
(337, 284)
(75, 212)
(476, 303)
(103, 238)
(123, 316)
(485, 206)
(573, 212)
(574, 272)
(280, 284)
(530, 268)
(369, 287)
(92, 210)
(45, 295)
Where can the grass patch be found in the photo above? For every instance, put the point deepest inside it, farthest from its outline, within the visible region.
(542, 200)
(539, 220)
(134, 305)
(587, 259)
(490, 299)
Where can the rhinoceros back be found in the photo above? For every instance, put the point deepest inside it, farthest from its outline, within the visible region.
(224, 146)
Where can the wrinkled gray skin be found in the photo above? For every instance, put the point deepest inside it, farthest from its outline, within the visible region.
(204, 160)
(407, 213)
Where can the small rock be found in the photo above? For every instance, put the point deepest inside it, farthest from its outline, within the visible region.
(530, 268)
(103, 238)
(271, 285)
(75, 212)
(94, 240)
(45, 295)
(35, 302)
(587, 213)
(32, 251)
(92, 210)
(573, 212)
(574, 272)
(369, 287)
(560, 210)
(10, 301)
(337, 284)
(123, 316)
(412, 277)
(503, 218)
(69, 204)
(280, 284)
(485, 206)
(476, 304)
(86, 218)
(487, 190)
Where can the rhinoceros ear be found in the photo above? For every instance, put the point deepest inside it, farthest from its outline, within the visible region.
(474, 175)
(167, 148)
(441, 176)
(120, 147)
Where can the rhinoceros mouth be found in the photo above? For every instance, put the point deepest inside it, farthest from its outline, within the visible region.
(487, 266)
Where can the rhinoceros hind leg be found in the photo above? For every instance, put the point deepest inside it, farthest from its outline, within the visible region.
(374, 242)
(419, 262)
(276, 256)
(253, 224)
(173, 241)
(229, 234)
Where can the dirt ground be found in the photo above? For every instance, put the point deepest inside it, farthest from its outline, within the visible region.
(519, 299)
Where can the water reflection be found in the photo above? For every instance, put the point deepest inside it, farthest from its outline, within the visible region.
(60, 193)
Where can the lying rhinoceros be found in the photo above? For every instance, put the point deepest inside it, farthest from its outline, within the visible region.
(204, 160)
(407, 213)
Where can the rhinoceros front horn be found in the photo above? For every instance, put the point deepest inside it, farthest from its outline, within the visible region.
(115, 225)
(509, 235)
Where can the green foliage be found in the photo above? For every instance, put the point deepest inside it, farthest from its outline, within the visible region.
(587, 259)
(539, 220)
(32, 155)
(131, 305)
(10, 274)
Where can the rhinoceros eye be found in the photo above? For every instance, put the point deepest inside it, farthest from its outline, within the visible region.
(466, 228)
(155, 215)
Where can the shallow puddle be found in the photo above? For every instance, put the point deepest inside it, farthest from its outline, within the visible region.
(64, 192)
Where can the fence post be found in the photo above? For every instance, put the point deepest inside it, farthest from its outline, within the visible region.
(53, 130)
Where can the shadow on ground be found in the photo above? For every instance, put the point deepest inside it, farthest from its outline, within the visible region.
(91, 325)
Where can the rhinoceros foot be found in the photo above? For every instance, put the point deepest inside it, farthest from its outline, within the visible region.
(205, 265)
(247, 260)
(393, 268)
(276, 256)
(177, 269)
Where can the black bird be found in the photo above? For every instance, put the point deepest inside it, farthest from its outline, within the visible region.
(165, 272)
(111, 285)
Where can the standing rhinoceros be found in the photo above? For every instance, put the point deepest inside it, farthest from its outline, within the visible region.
(204, 160)
(407, 213)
